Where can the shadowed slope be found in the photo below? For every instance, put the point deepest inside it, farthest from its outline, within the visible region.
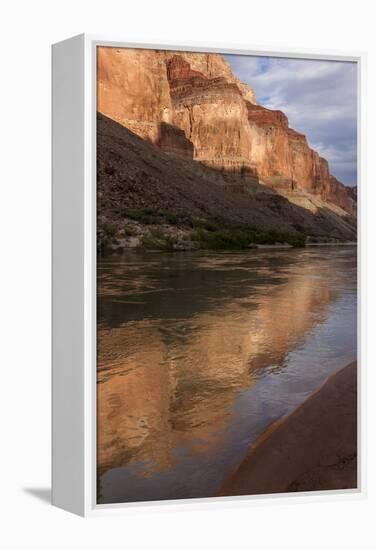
(133, 173)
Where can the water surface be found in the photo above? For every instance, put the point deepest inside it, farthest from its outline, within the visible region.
(199, 352)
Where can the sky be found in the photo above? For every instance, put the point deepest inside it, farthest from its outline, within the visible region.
(319, 98)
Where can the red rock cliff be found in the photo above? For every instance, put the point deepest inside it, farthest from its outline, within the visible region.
(191, 104)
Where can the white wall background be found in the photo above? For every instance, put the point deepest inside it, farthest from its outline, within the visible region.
(27, 30)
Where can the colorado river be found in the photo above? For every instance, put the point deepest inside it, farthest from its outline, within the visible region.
(199, 352)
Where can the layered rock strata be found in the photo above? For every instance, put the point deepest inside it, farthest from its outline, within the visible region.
(190, 104)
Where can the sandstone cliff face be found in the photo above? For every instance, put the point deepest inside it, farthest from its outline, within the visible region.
(191, 104)
(214, 66)
(343, 196)
(213, 115)
(132, 89)
(286, 162)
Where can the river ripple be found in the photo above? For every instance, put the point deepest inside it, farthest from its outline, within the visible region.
(199, 352)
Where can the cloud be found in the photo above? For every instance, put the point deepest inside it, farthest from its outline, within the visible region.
(319, 98)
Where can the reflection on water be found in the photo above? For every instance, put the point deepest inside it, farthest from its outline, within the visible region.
(199, 352)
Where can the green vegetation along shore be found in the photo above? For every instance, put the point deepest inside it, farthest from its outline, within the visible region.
(163, 230)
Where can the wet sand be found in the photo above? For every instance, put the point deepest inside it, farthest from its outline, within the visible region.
(313, 449)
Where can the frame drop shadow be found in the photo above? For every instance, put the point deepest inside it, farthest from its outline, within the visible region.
(41, 493)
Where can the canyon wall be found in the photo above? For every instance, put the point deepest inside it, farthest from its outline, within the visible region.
(191, 104)
(286, 162)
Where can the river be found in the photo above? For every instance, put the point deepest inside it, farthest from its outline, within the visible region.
(198, 352)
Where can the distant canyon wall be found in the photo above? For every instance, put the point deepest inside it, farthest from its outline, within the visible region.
(191, 104)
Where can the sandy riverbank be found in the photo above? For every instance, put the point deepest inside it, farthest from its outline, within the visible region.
(313, 449)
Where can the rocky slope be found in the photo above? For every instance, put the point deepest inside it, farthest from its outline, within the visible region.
(192, 105)
(141, 188)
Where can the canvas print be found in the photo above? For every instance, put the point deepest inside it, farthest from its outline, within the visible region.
(226, 275)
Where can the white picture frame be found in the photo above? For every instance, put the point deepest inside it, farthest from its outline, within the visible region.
(74, 275)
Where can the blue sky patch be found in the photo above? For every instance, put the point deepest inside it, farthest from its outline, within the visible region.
(319, 98)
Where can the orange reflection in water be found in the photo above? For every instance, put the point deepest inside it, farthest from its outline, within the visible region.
(168, 384)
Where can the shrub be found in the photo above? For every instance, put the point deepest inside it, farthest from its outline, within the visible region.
(157, 234)
(145, 216)
(241, 237)
(221, 240)
(109, 230)
(158, 241)
(208, 225)
(129, 231)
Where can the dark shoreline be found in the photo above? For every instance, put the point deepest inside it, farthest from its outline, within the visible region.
(263, 248)
(313, 449)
